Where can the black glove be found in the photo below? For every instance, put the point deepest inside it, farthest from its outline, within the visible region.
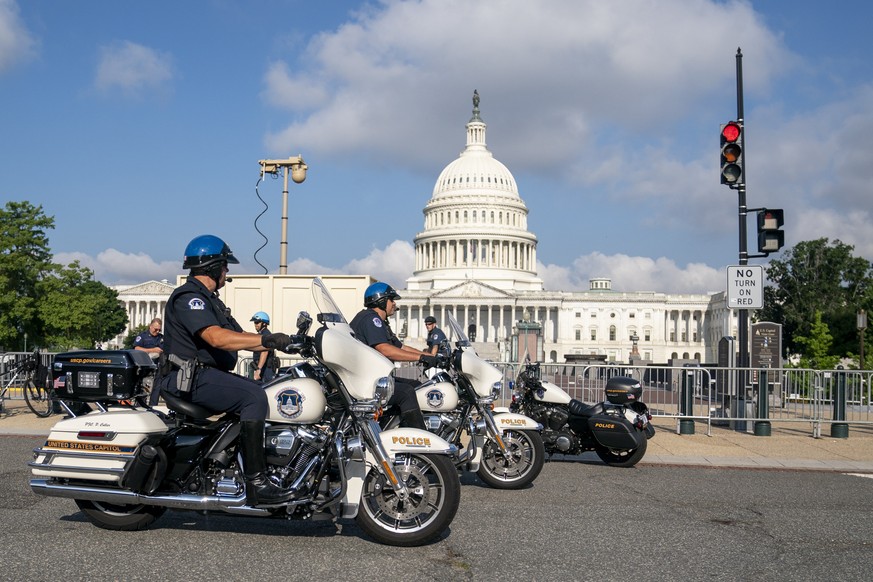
(442, 361)
(428, 360)
(275, 341)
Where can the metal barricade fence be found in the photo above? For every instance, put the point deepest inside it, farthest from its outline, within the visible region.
(716, 396)
(723, 396)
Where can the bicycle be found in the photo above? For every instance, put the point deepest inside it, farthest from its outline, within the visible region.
(32, 377)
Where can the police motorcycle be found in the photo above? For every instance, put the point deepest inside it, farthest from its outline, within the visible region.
(124, 467)
(617, 429)
(503, 448)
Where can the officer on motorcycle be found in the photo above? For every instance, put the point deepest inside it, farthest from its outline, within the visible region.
(201, 340)
(371, 327)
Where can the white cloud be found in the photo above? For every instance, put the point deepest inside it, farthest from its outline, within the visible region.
(113, 267)
(606, 70)
(133, 68)
(17, 44)
(633, 274)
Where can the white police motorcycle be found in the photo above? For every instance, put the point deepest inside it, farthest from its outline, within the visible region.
(503, 448)
(126, 465)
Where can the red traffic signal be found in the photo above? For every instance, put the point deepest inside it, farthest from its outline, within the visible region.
(731, 153)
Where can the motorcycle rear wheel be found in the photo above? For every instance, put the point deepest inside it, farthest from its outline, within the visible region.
(523, 463)
(622, 457)
(435, 492)
(120, 517)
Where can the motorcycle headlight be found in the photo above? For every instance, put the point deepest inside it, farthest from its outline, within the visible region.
(384, 390)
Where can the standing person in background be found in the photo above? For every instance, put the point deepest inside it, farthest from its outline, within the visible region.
(265, 362)
(437, 343)
(151, 340)
(435, 336)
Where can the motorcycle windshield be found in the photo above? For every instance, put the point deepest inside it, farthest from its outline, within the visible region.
(328, 310)
(359, 366)
(456, 333)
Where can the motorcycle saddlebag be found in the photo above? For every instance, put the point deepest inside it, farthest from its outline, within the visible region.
(623, 390)
(93, 375)
(96, 447)
(614, 432)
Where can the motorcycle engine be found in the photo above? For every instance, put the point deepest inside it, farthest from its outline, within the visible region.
(549, 416)
(443, 425)
(285, 446)
(560, 441)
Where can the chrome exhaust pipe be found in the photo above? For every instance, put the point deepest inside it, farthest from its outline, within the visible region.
(230, 504)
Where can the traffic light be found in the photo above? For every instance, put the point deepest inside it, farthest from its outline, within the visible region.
(732, 153)
(770, 238)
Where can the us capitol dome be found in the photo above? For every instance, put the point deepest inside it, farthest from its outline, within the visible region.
(475, 224)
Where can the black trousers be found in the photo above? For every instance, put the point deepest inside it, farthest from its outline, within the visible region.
(222, 392)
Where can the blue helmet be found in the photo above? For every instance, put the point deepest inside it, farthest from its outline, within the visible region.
(378, 294)
(260, 317)
(207, 250)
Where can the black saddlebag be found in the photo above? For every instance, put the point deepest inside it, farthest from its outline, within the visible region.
(614, 432)
(94, 375)
(623, 390)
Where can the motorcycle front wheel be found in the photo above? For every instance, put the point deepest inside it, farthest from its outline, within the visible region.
(622, 457)
(521, 464)
(120, 517)
(434, 495)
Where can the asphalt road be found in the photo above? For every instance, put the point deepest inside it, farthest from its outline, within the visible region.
(579, 521)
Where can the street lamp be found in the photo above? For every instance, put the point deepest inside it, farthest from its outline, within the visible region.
(862, 327)
(297, 168)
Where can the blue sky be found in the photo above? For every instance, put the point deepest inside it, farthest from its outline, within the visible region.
(139, 126)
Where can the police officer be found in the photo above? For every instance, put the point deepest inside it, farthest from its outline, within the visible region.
(435, 336)
(264, 361)
(371, 327)
(198, 325)
(150, 340)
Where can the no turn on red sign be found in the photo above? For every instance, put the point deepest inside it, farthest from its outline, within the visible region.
(745, 286)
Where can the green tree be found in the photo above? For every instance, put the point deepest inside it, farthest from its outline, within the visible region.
(816, 346)
(24, 259)
(817, 276)
(76, 310)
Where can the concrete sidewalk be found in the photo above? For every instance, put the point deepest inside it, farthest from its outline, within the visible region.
(791, 446)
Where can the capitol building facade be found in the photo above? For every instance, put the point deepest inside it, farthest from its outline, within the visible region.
(476, 259)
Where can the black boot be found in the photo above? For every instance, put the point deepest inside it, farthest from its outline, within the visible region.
(412, 419)
(259, 489)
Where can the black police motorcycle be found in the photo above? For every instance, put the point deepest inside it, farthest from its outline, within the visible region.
(617, 429)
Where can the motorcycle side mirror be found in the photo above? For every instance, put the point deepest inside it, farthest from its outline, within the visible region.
(304, 320)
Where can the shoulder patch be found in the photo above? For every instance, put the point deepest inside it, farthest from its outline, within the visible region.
(196, 303)
(377, 322)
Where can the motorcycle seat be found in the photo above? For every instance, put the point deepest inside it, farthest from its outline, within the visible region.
(579, 408)
(189, 409)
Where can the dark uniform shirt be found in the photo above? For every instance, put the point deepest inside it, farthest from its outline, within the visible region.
(436, 338)
(373, 330)
(146, 340)
(190, 309)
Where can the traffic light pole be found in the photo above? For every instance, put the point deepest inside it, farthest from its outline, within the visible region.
(743, 317)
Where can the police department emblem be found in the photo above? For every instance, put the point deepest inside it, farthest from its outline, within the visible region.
(289, 403)
(435, 398)
(196, 303)
(377, 322)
